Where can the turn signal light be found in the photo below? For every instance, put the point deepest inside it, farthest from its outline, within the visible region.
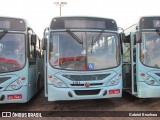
(50, 76)
(142, 74)
(23, 78)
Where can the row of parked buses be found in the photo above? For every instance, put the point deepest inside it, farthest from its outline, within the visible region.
(79, 58)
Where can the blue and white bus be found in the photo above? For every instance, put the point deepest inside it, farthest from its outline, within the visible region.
(141, 58)
(83, 59)
(20, 61)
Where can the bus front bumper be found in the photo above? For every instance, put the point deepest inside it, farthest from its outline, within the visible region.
(60, 94)
(15, 96)
(148, 91)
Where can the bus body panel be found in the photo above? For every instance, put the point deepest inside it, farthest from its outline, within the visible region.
(23, 91)
(147, 91)
(7, 80)
(32, 80)
(57, 94)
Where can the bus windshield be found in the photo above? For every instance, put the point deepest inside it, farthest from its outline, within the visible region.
(150, 49)
(87, 52)
(12, 52)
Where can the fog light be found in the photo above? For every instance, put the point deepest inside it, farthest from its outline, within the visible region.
(105, 92)
(70, 94)
(2, 97)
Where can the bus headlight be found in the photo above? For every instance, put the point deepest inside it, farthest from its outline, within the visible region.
(149, 80)
(114, 81)
(56, 82)
(16, 84)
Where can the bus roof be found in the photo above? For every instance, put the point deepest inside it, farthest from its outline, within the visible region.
(149, 22)
(83, 22)
(145, 22)
(13, 23)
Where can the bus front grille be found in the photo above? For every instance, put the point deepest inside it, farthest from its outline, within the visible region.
(92, 84)
(4, 79)
(86, 77)
(87, 92)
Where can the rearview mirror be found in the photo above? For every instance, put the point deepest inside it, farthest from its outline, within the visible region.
(122, 36)
(44, 43)
(33, 40)
(138, 37)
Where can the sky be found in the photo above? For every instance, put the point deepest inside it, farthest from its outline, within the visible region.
(39, 13)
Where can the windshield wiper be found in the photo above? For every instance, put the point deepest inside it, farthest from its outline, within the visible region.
(97, 37)
(2, 34)
(74, 36)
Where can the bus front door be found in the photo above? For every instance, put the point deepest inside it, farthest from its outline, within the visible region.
(129, 64)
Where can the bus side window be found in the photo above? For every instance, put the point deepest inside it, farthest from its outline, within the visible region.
(32, 56)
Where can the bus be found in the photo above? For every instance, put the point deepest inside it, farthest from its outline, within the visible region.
(141, 58)
(20, 61)
(83, 59)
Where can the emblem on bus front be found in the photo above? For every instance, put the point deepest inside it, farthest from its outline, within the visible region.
(87, 84)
